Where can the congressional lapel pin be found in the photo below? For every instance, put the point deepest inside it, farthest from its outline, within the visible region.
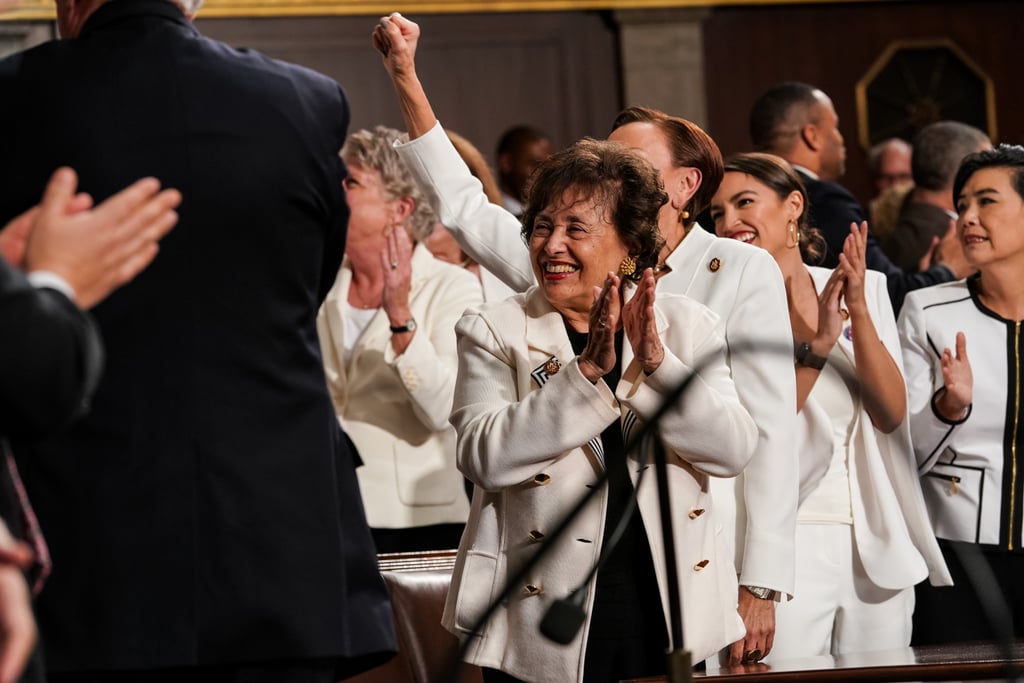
(545, 370)
(715, 264)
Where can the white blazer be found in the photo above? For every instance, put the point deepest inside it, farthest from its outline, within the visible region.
(963, 464)
(742, 285)
(890, 522)
(395, 409)
(525, 414)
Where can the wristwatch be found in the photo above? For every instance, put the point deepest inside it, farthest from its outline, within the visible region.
(409, 326)
(805, 357)
(762, 593)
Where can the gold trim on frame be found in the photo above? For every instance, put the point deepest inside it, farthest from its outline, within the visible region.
(44, 9)
(864, 134)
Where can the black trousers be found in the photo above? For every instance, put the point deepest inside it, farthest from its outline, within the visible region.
(957, 614)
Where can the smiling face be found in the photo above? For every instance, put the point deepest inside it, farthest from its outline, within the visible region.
(573, 247)
(746, 209)
(991, 218)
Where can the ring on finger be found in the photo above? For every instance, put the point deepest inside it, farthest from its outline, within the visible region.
(752, 655)
(394, 265)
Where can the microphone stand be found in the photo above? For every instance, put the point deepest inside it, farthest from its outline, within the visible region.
(678, 661)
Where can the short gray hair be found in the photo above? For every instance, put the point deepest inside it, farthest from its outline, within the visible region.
(938, 150)
(376, 149)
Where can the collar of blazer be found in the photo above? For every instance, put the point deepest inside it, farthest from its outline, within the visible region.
(114, 11)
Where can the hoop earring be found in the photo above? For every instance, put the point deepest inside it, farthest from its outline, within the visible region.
(792, 234)
(628, 265)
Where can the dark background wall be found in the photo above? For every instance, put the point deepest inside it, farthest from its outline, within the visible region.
(483, 72)
(562, 70)
(748, 49)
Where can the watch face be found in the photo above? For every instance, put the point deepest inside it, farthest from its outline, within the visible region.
(410, 325)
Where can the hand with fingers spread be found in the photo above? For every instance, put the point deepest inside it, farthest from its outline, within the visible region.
(599, 355)
(641, 327)
(958, 381)
(97, 250)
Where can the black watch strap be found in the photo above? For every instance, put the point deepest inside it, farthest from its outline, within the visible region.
(808, 359)
(409, 326)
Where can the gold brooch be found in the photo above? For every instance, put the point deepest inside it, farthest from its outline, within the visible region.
(714, 264)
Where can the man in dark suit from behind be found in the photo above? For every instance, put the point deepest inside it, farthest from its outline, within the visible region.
(928, 210)
(798, 122)
(54, 261)
(204, 519)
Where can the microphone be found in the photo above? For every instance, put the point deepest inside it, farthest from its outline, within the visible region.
(567, 614)
(565, 617)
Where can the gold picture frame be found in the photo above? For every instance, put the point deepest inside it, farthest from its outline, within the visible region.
(916, 82)
(44, 9)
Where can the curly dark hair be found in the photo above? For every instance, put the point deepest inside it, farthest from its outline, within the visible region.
(779, 176)
(618, 180)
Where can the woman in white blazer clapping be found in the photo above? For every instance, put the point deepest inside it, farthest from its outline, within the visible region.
(552, 383)
(863, 537)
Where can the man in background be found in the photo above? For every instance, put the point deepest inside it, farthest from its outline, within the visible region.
(204, 518)
(928, 211)
(520, 151)
(889, 169)
(798, 122)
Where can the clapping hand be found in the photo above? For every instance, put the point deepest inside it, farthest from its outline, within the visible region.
(958, 380)
(599, 355)
(830, 317)
(641, 328)
(853, 263)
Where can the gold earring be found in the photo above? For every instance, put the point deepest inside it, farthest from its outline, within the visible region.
(684, 215)
(628, 265)
(792, 234)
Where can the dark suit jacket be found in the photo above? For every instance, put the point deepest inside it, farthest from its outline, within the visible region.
(206, 511)
(51, 360)
(832, 210)
(911, 237)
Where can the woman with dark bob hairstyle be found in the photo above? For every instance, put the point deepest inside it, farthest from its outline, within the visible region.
(552, 384)
(863, 538)
(968, 443)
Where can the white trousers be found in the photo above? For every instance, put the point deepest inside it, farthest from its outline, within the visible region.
(836, 609)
